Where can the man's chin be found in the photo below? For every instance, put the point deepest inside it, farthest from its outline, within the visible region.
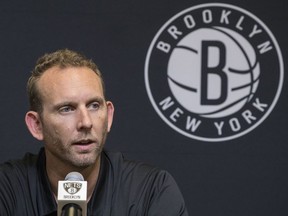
(84, 160)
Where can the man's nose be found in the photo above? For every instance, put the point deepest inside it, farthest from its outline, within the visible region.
(84, 119)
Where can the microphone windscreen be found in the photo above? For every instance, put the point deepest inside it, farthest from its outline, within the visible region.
(74, 176)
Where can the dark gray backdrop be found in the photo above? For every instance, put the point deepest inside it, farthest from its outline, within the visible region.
(244, 176)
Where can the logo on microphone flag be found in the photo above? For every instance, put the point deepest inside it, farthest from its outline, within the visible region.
(72, 187)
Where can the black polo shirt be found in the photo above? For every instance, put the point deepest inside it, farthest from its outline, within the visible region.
(123, 188)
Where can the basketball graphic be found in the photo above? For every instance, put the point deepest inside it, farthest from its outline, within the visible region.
(214, 72)
(241, 71)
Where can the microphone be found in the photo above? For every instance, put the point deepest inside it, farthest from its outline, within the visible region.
(72, 195)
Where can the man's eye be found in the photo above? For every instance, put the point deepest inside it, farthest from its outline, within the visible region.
(66, 109)
(94, 106)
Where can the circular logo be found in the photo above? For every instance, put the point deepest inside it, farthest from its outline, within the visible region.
(214, 72)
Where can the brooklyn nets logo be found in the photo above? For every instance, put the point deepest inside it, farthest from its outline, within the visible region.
(72, 187)
(214, 72)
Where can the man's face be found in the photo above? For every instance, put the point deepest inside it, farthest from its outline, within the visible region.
(75, 118)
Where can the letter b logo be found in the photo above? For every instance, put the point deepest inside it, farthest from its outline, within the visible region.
(209, 71)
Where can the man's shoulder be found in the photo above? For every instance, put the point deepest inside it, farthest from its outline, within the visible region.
(18, 167)
(148, 187)
(127, 168)
(117, 159)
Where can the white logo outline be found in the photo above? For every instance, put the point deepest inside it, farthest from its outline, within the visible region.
(271, 106)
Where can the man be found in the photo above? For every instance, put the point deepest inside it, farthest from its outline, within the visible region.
(70, 114)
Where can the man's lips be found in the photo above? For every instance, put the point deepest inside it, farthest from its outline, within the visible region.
(83, 142)
(84, 145)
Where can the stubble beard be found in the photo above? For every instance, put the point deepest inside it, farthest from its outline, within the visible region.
(69, 156)
(85, 159)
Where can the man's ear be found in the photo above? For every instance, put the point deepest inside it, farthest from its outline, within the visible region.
(34, 125)
(110, 114)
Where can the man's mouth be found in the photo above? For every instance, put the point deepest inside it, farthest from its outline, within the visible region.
(84, 145)
(84, 142)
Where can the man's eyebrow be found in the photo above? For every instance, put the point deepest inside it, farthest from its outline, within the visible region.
(100, 100)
